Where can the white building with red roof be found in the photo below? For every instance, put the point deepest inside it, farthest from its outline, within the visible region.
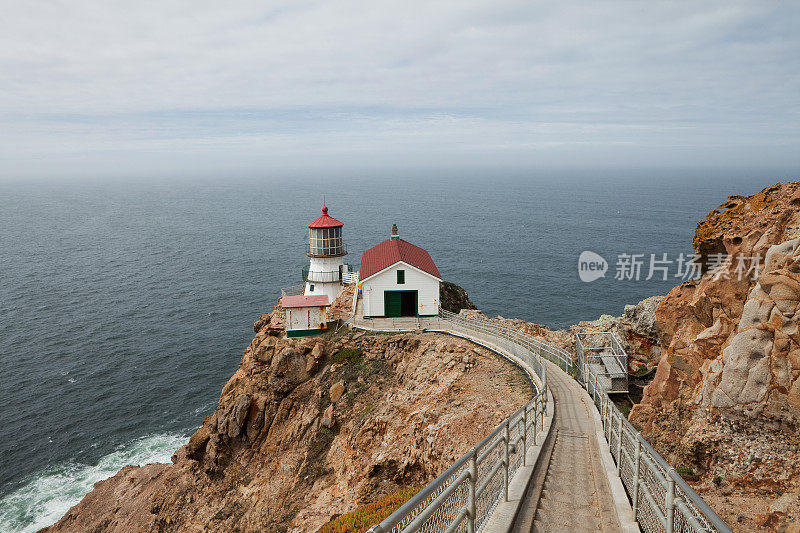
(398, 279)
(305, 315)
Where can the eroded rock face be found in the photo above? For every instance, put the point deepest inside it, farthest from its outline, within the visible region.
(699, 322)
(280, 453)
(727, 380)
(760, 371)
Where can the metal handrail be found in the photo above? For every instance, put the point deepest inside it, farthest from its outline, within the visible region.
(350, 277)
(608, 347)
(467, 492)
(294, 290)
(669, 504)
(321, 276)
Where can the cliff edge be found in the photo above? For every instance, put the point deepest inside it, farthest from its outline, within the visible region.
(309, 429)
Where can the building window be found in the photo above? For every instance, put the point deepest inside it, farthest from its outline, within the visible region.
(401, 277)
(311, 287)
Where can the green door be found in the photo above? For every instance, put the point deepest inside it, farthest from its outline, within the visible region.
(399, 303)
(408, 303)
(391, 303)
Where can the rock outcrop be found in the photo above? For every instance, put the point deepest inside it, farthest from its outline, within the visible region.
(724, 403)
(308, 429)
(759, 375)
(454, 298)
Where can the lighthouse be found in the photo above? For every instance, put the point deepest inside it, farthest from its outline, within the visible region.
(326, 250)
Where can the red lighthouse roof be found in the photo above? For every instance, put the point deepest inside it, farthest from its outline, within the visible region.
(325, 221)
(392, 251)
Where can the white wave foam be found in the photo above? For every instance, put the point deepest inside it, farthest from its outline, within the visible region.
(51, 492)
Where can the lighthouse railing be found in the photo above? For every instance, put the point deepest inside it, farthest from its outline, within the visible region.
(350, 277)
(294, 290)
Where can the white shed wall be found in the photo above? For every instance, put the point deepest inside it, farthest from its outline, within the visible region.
(303, 318)
(427, 288)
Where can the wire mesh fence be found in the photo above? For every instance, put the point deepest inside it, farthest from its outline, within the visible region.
(463, 497)
(662, 501)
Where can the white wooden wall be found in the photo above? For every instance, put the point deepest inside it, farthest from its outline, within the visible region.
(301, 318)
(416, 280)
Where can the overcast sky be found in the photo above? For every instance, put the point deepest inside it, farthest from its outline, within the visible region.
(151, 87)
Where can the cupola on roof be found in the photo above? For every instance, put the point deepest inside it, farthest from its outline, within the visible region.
(325, 221)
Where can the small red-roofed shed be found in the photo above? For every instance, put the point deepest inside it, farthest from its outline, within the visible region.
(305, 315)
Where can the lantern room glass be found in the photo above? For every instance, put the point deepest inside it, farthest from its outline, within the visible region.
(325, 242)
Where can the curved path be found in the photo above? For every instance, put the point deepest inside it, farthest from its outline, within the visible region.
(570, 488)
(570, 492)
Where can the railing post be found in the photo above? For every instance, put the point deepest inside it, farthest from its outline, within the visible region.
(525, 433)
(637, 460)
(543, 411)
(471, 507)
(670, 501)
(604, 403)
(619, 445)
(506, 438)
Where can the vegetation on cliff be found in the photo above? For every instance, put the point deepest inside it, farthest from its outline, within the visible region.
(366, 516)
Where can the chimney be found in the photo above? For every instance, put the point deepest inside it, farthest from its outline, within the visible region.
(395, 235)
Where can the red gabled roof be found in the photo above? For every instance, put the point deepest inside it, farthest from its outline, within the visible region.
(390, 252)
(325, 221)
(320, 300)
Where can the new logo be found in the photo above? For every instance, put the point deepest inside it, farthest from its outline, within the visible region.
(591, 266)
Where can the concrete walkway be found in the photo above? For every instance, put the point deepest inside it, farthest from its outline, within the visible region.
(574, 486)
(572, 492)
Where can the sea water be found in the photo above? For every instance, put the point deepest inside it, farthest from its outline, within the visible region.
(125, 305)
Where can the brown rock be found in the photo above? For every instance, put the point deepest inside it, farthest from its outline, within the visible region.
(265, 350)
(327, 417)
(336, 391)
(197, 443)
(726, 396)
(314, 358)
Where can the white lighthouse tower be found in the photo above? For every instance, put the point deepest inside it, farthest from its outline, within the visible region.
(326, 251)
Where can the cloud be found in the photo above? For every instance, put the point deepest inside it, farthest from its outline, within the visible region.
(93, 86)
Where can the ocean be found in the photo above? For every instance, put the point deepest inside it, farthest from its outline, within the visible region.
(125, 305)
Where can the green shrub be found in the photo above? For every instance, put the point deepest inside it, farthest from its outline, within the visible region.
(368, 515)
(348, 355)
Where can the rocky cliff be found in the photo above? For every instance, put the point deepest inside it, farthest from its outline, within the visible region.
(724, 405)
(308, 429)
